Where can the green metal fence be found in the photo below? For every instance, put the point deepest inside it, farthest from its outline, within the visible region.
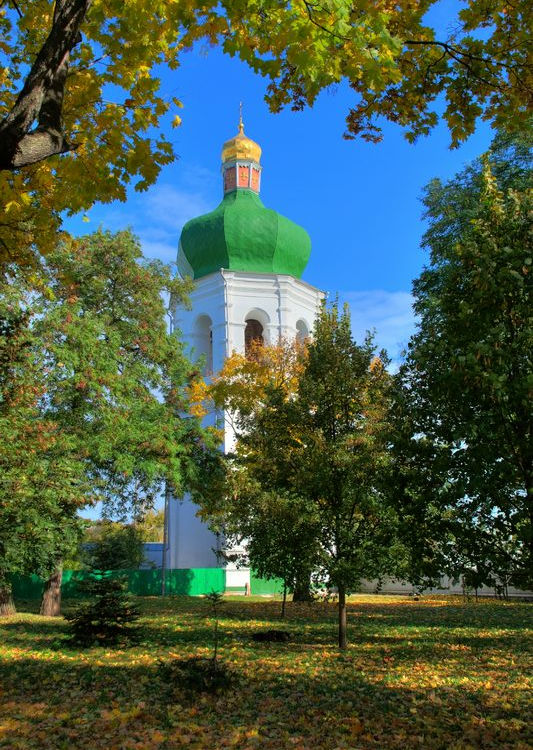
(264, 586)
(184, 581)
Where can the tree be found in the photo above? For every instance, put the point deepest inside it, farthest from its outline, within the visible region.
(468, 370)
(41, 477)
(343, 405)
(80, 88)
(114, 546)
(151, 526)
(112, 387)
(116, 379)
(278, 539)
(312, 456)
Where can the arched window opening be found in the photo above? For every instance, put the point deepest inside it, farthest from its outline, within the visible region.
(203, 342)
(253, 335)
(302, 331)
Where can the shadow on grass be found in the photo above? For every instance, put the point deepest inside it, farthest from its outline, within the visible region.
(80, 701)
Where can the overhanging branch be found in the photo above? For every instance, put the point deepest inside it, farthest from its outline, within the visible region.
(41, 98)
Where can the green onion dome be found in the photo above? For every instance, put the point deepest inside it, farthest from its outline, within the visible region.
(242, 235)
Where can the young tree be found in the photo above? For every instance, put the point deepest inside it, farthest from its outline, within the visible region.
(81, 93)
(279, 542)
(342, 407)
(468, 370)
(311, 460)
(113, 546)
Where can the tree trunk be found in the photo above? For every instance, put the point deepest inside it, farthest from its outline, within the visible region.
(7, 606)
(284, 601)
(51, 601)
(302, 590)
(342, 617)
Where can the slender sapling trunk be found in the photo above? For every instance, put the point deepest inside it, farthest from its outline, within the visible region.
(284, 600)
(342, 617)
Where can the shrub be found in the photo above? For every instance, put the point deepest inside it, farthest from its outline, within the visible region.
(108, 617)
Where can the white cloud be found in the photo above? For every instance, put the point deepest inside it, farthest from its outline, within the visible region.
(162, 214)
(169, 208)
(389, 313)
(158, 215)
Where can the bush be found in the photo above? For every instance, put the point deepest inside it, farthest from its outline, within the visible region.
(108, 617)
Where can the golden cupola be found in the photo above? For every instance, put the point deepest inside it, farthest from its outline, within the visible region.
(240, 147)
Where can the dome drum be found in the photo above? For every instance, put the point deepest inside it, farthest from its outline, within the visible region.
(241, 175)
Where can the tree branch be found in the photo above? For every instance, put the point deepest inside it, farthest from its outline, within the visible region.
(41, 98)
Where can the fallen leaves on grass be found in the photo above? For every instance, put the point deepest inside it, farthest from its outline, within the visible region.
(435, 674)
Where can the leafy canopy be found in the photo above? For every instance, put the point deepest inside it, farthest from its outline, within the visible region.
(304, 486)
(83, 110)
(94, 396)
(467, 377)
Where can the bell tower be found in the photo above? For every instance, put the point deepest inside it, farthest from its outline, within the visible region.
(247, 261)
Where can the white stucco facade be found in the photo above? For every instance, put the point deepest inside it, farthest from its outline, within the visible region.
(213, 328)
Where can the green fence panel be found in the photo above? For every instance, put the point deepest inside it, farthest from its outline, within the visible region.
(261, 586)
(183, 581)
(196, 581)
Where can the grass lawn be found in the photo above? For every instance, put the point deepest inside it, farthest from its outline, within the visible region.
(437, 673)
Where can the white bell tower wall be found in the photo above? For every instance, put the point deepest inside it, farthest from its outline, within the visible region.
(212, 329)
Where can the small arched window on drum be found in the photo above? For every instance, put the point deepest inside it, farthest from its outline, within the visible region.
(302, 331)
(253, 336)
(203, 343)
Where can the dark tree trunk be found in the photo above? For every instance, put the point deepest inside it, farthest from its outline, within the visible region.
(40, 101)
(342, 617)
(7, 606)
(284, 601)
(302, 590)
(51, 601)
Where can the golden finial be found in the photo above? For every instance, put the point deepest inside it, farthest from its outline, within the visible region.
(240, 146)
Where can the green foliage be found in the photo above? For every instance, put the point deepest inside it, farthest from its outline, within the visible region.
(93, 394)
(114, 546)
(107, 618)
(95, 96)
(343, 404)
(465, 459)
(304, 489)
(151, 526)
(113, 365)
(41, 478)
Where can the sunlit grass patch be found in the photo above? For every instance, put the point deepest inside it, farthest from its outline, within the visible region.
(434, 673)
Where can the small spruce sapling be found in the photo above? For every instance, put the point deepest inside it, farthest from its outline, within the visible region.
(107, 617)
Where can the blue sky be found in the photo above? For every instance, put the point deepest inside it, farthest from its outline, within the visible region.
(359, 202)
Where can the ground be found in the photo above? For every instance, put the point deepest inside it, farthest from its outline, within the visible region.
(436, 673)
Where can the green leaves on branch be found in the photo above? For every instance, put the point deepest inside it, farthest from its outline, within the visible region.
(85, 123)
